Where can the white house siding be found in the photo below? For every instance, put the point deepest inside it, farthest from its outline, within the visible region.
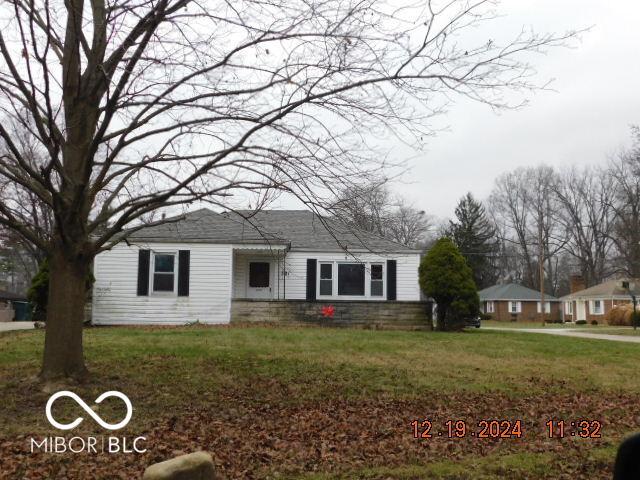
(115, 299)
(239, 276)
(407, 288)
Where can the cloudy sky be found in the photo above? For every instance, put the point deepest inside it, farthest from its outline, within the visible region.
(586, 119)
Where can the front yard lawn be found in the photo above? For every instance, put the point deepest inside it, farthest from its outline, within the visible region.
(319, 403)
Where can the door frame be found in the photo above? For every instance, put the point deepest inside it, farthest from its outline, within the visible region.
(581, 307)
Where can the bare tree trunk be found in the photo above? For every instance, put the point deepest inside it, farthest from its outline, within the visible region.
(63, 350)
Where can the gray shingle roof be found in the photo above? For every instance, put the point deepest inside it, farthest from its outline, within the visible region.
(5, 295)
(302, 229)
(512, 291)
(611, 288)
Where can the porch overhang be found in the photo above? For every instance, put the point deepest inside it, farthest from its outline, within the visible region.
(261, 248)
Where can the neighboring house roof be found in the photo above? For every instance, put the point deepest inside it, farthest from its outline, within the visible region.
(513, 292)
(5, 295)
(608, 289)
(299, 229)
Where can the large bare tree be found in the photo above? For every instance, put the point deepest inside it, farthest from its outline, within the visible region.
(624, 173)
(526, 211)
(585, 196)
(142, 105)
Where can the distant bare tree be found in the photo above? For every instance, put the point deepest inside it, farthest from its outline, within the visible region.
(410, 226)
(624, 172)
(367, 207)
(141, 106)
(23, 256)
(526, 211)
(585, 197)
(511, 211)
(372, 208)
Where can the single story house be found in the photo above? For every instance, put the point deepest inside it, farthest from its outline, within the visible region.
(514, 302)
(272, 265)
(8, 301)
(595, 302)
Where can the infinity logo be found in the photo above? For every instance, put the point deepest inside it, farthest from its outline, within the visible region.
(86, 408)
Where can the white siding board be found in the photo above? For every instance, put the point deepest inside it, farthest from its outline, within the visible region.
(115, 300)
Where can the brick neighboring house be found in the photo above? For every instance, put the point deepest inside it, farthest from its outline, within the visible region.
(594, 303)
(513, 302)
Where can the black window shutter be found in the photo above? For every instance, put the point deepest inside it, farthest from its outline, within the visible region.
(143, 272)
(311, 278)
(184, 259)
(391, 280)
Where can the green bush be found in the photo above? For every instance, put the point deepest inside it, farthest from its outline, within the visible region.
(486, 316)
(38, 293)
(555, 320)
(581, 322)
(445, 276)
(594, 322)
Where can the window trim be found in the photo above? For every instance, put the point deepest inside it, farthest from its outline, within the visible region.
(152, 273)
(332, 279)
(518, 305)
(568, 308)
(547, 307)
(490, 307)
(592, 307)
(382, 279)
(367, 280)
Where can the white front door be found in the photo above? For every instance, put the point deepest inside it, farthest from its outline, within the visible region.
(581, 310)
(259, 279)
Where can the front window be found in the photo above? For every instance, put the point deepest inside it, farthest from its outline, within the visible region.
(259, 274)
(490, 307)
(326, 279)
(351, 279)
(377, 281)
(568, 308)
(547, 307)
(514, 307)
(164, 266)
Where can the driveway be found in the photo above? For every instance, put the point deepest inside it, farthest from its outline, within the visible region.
(570, 332)
(9, 326)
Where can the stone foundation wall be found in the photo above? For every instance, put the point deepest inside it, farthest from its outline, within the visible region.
(359, 314)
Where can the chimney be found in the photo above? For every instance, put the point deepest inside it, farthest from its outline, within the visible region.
(576, 283)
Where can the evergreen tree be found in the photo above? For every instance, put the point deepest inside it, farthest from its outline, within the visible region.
(475, 236)
(446, 277)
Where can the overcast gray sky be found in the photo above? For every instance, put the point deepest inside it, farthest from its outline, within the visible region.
(586, 119)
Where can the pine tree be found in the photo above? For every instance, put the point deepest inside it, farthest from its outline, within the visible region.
(475, 236)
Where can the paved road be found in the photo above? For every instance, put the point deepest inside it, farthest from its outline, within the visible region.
(9, 326)
(570, 332)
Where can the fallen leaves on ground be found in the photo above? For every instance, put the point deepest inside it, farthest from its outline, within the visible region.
(275, 437)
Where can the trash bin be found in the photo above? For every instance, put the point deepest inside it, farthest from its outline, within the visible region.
(22, 311)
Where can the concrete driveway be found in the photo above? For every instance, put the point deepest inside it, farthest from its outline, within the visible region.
(570, 332)
(10, 326)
